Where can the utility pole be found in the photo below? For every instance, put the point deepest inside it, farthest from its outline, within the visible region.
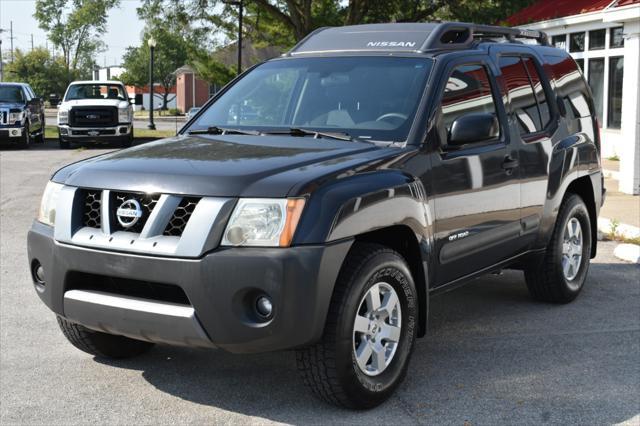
(240, 4)
(1, 61)
(11, 38)
(32, 42)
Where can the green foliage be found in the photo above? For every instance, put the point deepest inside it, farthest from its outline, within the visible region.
(75, 26)
(170, 54)
(44, 73)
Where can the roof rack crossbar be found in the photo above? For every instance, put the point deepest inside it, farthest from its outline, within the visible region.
(460, 35)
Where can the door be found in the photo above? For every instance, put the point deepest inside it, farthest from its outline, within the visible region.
(475, 185)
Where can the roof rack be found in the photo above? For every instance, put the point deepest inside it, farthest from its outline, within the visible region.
(407, 37)
(449, 35)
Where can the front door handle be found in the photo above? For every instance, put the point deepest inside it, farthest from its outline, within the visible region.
(510, 163)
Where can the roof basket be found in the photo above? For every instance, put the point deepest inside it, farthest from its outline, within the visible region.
(449, 35)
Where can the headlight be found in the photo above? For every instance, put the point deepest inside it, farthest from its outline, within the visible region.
(47, 213)
(263, 222)
(63, 116)
(15, 116)
(123, 115)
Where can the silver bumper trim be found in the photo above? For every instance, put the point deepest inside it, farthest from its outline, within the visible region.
(158, 322)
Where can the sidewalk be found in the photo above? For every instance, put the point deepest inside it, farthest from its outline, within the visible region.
(620, 214)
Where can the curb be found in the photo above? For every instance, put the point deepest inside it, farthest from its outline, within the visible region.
(628, 252)
(622, 229)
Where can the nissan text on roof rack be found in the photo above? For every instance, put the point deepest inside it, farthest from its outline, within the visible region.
(321, 201)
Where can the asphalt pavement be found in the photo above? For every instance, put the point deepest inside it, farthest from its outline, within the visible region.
(492, 356)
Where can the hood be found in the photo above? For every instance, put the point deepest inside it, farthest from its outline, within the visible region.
(95, 102)
(12, 105)
(229, 166)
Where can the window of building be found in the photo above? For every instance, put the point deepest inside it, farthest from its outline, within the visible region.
(468, 91)
(580, 63)
(614, 108)
(596, 39)
(559, 41)
(616, 38)
(576, 42)
(596, 82)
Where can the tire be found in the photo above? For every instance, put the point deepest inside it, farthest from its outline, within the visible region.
(25, 141)
(126, 143)
(549, 280)
(330, 368)
(101, 344)
(64, 144)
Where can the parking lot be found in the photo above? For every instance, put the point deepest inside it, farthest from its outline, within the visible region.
(492, 356)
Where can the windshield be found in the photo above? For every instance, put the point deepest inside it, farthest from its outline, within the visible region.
(367, 97)
(95, 91)
(11, 94)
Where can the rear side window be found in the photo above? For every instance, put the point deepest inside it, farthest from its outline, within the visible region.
(468, 91)
(526, 94)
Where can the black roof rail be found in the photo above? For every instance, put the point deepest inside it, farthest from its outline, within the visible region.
(449, 35)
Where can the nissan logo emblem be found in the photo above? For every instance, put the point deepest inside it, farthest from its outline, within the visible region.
(129, 213)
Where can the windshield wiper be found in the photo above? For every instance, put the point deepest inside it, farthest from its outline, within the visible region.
(215, 130)
(297, 131)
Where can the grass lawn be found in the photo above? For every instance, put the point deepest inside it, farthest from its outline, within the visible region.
(51, 132)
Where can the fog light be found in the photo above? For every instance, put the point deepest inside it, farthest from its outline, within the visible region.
(38, 273)
(264, 306)
(14, 132)
(64, 131)
(123, 130)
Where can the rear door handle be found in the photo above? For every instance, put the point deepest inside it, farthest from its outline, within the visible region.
(510, 163)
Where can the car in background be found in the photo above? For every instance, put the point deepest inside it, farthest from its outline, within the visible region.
(193, 111)
(21, 115)
(95, 111)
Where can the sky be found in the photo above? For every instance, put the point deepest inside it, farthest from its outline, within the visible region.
(123, 28)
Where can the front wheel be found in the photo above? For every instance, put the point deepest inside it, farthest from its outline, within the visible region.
(561, 274)
(369, 333)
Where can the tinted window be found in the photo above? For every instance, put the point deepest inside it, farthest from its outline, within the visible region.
(467, 91)
(576, 42)
(616, 37)
(596, 82)
(368, 97)
(541, 97)
(559, 41)
(596, 39)
(572, 88)
(520, 93)
(616, 69)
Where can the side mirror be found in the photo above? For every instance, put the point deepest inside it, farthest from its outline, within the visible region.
(475, 127)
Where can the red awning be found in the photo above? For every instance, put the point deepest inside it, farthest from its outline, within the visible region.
(552, 9)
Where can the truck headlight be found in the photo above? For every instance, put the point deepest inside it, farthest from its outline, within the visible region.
(63, 116)
(123, 115)
(15, 116)
(47, 212)
(263, 222)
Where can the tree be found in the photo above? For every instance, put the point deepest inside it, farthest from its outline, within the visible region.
(170, 54)
(74, 26)
(44, 73)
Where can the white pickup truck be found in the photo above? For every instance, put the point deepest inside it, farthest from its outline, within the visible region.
(95, 111)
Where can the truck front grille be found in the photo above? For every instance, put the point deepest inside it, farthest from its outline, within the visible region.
(93, 116)
(126, 287)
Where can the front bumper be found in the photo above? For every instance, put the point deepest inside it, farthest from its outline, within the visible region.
(81, 134)
(11, 134)
(221, 288)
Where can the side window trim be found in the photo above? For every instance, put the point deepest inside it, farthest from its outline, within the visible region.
(546, 82)
(490, 145)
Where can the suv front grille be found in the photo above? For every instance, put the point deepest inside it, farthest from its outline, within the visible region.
(92, 211)
(181, 216)
(147, 203)
(92, 206)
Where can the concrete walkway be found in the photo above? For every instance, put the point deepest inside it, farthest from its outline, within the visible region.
(622, 213)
